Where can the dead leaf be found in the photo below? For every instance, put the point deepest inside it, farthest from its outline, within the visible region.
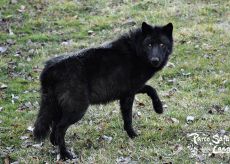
(200, 158)
(88, 143)
(226, 108)
(101, 126)
(190, 119)
(67, 43)
(107, 138)
(14, 1)
(218, 109)
(3, 86)
(171, 120)
(10, 32)
(37, 69)
(31, 51)
(177, 149)
(26, 144)
(170, 65)
(30, 129)
(3, 49)
(174, 120)
(91, 33)
(22, 9)
(17, 54)
(36, 104)
(10, 149)
(25, 92)
(24, 137)
(7, 160)
(123, 160)
(182, 41)
(139, 103)
(204, 117)
(137, 114)
(171, 92)
(130, 22)
(165, 106)
(10, 41)
(222, 90)
(28, 59)
(210, 126)
(172, 81)
(38, 146)
(14, 98)
(186, 73)
(160, 129)
(29, 105)
(207, 56)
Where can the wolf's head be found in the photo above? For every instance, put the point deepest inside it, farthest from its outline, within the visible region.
(156, 44)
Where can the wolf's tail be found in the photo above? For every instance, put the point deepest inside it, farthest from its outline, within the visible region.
(48, 107)
(45, 117)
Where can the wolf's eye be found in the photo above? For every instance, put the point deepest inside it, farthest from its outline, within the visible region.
(162, 45)
(149, 45)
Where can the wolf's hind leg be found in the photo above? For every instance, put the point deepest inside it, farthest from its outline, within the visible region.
(72, 111)
(53, 133)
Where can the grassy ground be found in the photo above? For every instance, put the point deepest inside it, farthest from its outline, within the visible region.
(196, 83)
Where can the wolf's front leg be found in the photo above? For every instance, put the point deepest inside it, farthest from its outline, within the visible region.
(126, 105)
(152, 93)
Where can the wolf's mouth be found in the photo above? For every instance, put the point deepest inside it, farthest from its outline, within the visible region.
(155, 62)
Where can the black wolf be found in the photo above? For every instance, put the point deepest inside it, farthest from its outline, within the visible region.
(115, 71)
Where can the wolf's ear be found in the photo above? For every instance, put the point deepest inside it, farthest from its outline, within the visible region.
(146, 28)
(168, 29)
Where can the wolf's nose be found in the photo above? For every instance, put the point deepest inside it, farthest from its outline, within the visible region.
(155, 61)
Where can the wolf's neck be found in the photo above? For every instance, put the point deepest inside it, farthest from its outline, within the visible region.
(127, 42)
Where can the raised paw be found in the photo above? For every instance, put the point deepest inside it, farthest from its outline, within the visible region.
(158, 107)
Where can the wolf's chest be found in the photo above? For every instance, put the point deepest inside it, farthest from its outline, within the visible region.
(113, 86)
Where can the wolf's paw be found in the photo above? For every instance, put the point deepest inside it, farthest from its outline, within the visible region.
(64, 155)
(158, 107)
(131, 133)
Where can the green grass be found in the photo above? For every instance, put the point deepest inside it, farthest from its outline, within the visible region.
(202, 73)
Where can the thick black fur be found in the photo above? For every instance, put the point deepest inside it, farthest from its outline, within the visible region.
(115, 71)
